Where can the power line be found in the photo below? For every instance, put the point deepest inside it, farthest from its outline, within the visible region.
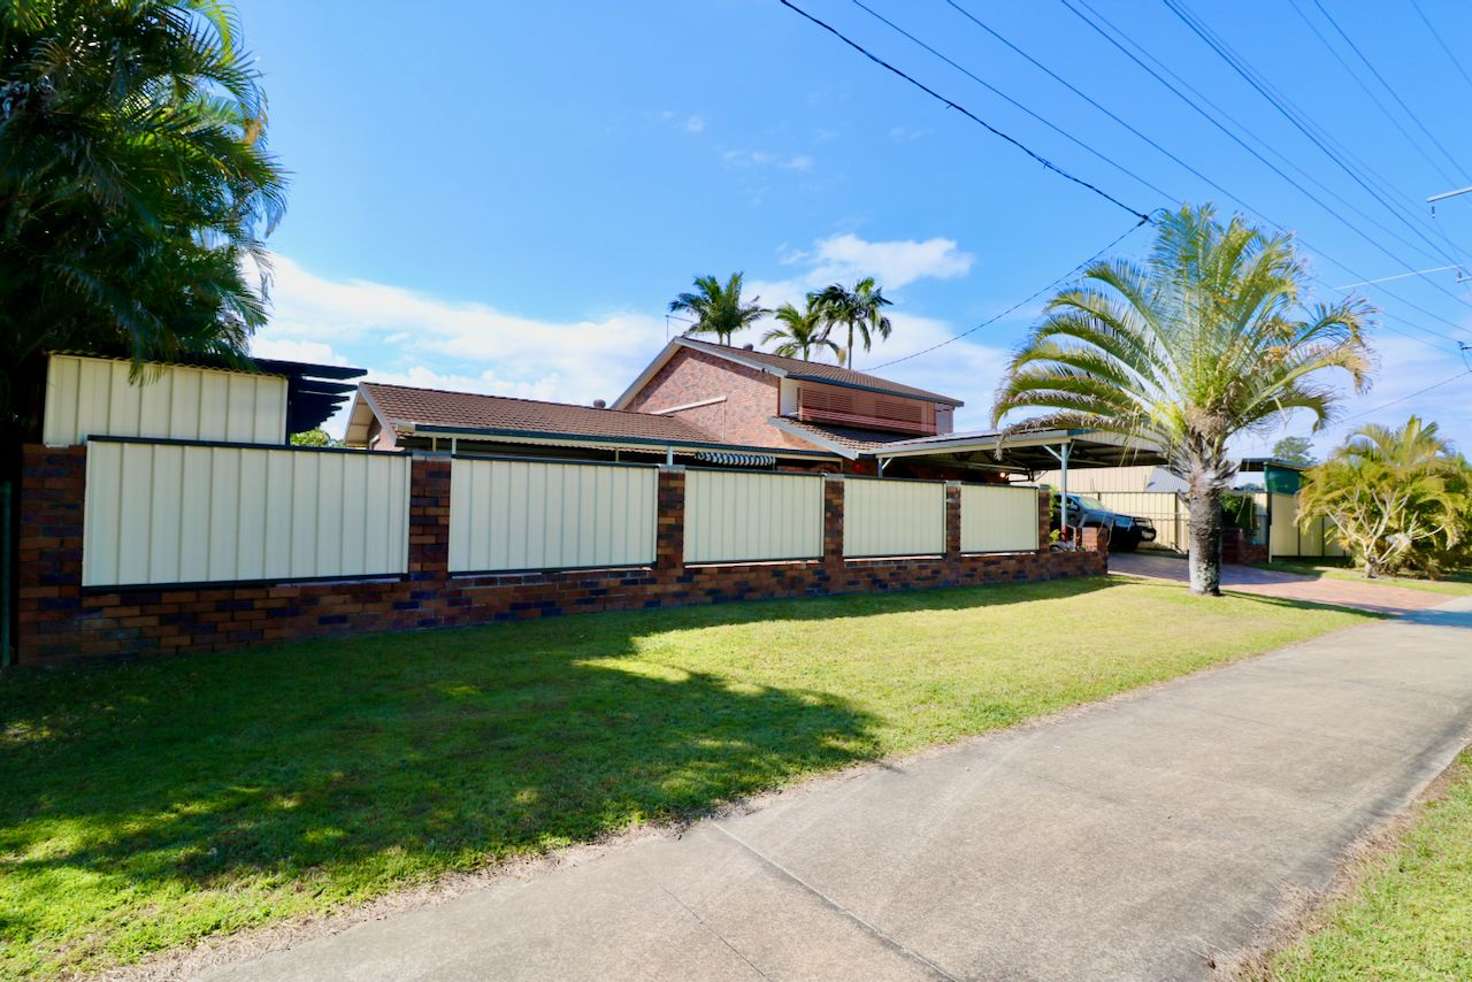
(1019, 304)
(1314, 29)
(1437, 35)
(1144, 218)
(1389, 88)
(1418, 392)
(1115, 117)
(1205, 35)
(1215, 122)
(1047, 164)
(1002, 95)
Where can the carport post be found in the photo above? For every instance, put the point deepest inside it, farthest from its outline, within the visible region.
(1062, 455)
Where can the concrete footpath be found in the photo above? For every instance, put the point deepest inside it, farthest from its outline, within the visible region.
(1145, 838)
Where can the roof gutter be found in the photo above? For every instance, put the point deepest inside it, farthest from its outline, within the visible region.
(623, 442)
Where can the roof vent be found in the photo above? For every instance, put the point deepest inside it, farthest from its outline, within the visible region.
(748, 346)
(599, 404)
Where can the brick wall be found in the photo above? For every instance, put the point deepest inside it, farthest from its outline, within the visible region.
(59, 621)
(751, 399)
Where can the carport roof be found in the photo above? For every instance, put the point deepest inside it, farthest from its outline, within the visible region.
(1029, 450)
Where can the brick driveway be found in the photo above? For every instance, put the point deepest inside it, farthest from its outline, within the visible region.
(1376, 597)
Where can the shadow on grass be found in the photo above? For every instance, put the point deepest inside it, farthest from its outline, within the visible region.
(349, 764)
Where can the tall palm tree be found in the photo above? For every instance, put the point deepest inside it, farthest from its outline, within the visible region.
(800, 331)
(718, 309)
(1207, 339)
(860, 311)
(135, 185)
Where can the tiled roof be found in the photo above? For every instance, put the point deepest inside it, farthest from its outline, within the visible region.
(816, 371)
(848, 440)
(435, 407)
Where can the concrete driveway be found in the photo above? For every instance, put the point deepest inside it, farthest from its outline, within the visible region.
(1376, 597)
(1149, 837)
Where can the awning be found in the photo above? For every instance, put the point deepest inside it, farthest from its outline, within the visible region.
(730, 459)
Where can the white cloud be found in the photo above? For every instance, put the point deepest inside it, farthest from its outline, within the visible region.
(894, 264)
(765, 158)
(414, 339)
(694, 124)
(265, 345)
(906, 134)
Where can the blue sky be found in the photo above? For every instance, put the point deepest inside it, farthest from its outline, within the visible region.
(504, 197)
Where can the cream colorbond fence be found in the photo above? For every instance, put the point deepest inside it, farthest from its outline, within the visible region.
(741, 517)
(998, 519)
(180, 512)
(94, 397)
(1163, 508)
(508, 515)
(893, 518)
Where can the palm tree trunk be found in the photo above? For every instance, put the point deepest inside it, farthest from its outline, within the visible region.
(1204, 508)
(849, 361)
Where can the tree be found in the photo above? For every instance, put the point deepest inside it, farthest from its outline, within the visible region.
(860, 310)
(1206, 339)
(800, 331)
(1295, 450)
(1395, 496)
(313, 438)
(718, 309)
(135, 185)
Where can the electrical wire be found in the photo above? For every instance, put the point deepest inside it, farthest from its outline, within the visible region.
(1266, 145)
(1437, 35)
(1405, 398)
(1143, 217)
(1198, 28)
(1220, 188)
(1390, 88)
(1244, 204)
(1046, 163)
(1013, 102)
(1355, 76)
(1021, 303)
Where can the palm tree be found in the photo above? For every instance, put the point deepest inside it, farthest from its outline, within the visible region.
(1207, 339)
(800, 331)
(135, 186)
(1395, 496)
(860, 310)
(718, 309)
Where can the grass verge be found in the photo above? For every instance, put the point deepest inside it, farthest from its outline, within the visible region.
(1409, 915)
(1457, 584)
(151, 804)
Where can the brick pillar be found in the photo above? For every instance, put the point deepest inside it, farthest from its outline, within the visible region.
(1045, 518)
(48, 567)
(832, 520)
(953, 520)
(669, 543)
(429, 518)
(1094, 540)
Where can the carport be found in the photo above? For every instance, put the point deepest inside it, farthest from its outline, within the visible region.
(1026, 453)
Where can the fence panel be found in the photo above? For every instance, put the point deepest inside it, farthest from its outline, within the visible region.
(893, 518)
(1283, 534)
(95, 397)
(999, 519)
(532, 515)
(1163, 508)
(732, 516)
(179, 512)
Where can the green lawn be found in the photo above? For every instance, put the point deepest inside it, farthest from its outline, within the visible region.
(1457, 584)
(151, 804)
(1411, 916)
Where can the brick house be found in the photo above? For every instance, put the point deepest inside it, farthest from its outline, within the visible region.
(696, 402)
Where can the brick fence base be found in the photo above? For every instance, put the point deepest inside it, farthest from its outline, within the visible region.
(60, 621)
